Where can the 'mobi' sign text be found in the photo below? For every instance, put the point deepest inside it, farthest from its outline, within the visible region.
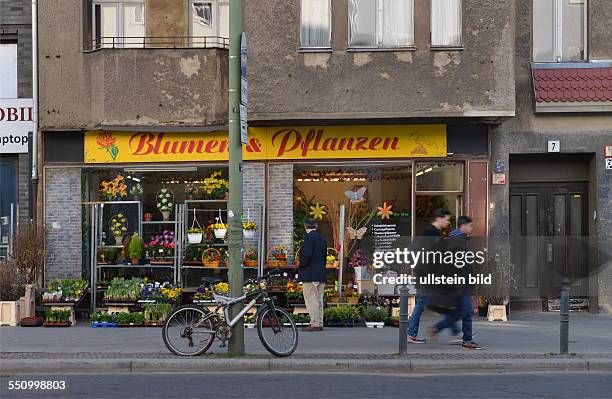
(271, 143)
(15, 124)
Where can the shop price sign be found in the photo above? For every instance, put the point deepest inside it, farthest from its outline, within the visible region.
(269, 143)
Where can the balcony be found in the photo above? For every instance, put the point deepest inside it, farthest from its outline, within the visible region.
(115, 42)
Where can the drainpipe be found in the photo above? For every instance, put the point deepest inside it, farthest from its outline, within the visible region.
(34, 153)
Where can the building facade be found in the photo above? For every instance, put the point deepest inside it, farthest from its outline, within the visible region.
(390, 109)
(15, 117)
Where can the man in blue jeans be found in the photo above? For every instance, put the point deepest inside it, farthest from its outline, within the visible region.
(431, 240)
(463, 302)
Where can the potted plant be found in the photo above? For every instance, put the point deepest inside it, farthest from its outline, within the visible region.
(351, 295)
(330, 295)
(221, 288)
(248, 229)
(211, 257)
(203, 294)
(191, 190)
(165, 202)
(137, 192)
(136, 249)
(278, 256)
(294, 293)
(160, 249)
(341, 316)
(57, 318)
(249, 320)
(331, 262)
(250, 258)
(193, 255)
(114, 190)
(214, 187)
(375, 316)
(119, 226)
(194, 235)
(219, 229)
(148, 217)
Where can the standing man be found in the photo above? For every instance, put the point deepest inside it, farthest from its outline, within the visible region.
(312, 274)
(458, 241)
(431, 240)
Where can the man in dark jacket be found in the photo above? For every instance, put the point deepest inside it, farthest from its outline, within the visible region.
(312, 274)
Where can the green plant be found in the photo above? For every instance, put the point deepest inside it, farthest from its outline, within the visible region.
(194, 252)
(118, 224)
(136, 247)
(138, 318)
(165, 200)
(57, 316)
(295, 296)
(375, 313)
(120, 289)
(95, 317)
(342, 314)
(107, 318)
(301, 318)
(123, 318)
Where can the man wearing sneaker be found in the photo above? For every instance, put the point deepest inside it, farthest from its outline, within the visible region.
(431, 240)
(312, 274)
(458, 241)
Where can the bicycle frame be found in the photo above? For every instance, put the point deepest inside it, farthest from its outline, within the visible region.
(226, 303)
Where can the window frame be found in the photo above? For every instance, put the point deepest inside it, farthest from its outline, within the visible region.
(215, 25)
(120, 9)
(458, 46)
(315, 48)
(558, 35)
(380, 46)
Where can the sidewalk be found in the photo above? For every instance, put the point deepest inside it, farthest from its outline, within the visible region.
(525, 341)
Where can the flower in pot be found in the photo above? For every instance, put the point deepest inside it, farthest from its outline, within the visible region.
(137, 192)
(219, 229)
(191, 190)
(278, 256)
(114, 190)
(148, 217)
(351, 295)
(214, 186)
(203, 293)
(119, 226)
(331, 261)
(375, 316)
(194, 235)
(160, 249)
(136, 249)
(165, 202)
(250, 258)
(248, 229)
(331, 295)
(295, 292)
(221, 288)
(212, 257)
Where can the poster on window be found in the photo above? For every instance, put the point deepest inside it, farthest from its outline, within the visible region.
(15, 125)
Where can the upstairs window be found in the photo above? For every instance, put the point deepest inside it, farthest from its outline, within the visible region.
(559, 29)
(118, 24)
(446, 23)
(315, 24)
(208, 23)
(381, 23)
(8, 70)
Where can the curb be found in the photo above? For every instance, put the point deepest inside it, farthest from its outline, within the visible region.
(401, 366)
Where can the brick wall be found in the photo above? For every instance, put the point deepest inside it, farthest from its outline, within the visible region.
(253, 195)
(280, 206)
(23, 187)
(63, 206)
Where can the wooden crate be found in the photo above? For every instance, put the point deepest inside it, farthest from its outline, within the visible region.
(9, 313)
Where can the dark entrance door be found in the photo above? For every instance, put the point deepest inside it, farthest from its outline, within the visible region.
(548, 236)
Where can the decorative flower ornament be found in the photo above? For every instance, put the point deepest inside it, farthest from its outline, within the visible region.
(385, 211)
(318, 211)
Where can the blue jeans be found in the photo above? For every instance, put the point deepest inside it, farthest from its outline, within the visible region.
(463, 311)
(421, 302)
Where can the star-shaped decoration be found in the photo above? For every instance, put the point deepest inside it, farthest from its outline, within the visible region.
(318, 211)
(385, 211)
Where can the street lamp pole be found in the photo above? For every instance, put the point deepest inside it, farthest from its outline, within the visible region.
(234, 217)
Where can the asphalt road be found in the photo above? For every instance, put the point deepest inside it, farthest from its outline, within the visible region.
(318, 385)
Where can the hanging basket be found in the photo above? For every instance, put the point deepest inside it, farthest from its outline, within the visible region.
(208, 263)
(194, 238)
(220, 233)
(335, 264)
(248, 233)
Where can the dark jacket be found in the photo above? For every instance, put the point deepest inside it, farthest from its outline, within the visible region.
(313, 255)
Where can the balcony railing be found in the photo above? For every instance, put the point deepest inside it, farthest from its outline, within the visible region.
(117, 42)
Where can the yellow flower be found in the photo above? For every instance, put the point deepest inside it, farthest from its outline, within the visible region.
(318, 211)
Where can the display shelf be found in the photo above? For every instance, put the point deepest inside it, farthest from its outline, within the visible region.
(204, 268)
(147, 266)
(205, 244)
(206, 201)
(160, 222)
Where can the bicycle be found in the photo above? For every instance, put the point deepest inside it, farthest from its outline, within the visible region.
(191, 329)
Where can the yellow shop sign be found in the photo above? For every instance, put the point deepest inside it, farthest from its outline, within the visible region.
(270, 143)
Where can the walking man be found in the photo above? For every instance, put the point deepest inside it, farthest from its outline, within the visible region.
(458, 241)
(431, 240)
(312, 274)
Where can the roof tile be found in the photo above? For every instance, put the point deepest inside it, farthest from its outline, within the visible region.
(573, 84)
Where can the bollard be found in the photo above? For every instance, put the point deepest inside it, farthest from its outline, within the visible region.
(564, 317)
(403, 320)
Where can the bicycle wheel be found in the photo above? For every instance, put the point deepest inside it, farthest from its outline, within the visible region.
(277, 331)
(188, 331)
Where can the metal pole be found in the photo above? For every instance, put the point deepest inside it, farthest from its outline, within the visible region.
(564, 317)
(34, 153)
(341, 254)
(236, 274)
(403, 320)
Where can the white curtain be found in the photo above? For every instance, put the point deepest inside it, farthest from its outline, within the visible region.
(397, 23)
(445, 22)
(315, 28)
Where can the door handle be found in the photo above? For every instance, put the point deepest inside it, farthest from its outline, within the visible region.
(549, 251)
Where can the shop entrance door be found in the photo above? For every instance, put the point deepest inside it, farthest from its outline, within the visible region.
(549, 232)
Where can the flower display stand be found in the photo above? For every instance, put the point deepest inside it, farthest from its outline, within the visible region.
(9, 313)
(63, 306)
(300, 309)
(497, 312)
(118, 308)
